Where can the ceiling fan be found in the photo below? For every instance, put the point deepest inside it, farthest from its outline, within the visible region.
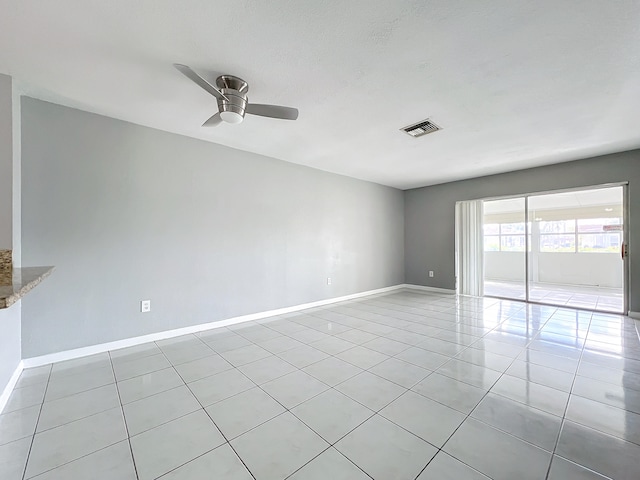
(233, 103)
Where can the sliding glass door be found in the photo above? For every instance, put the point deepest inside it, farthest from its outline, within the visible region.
(576, 257)
(561, 248)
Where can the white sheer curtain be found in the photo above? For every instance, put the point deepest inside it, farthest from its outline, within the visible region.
(469, 248)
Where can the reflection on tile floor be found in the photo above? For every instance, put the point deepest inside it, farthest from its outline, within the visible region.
(590, 298)
(407, 385)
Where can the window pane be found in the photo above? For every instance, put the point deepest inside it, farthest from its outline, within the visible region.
(491, 229)
(491, 243)
(511, 228)
(596, 225)
(512, 243)
(599, 242)
(560, 226)
(557, 243)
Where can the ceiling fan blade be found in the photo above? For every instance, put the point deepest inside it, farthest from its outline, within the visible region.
(273, 111)
(194, 77)
(213, 121)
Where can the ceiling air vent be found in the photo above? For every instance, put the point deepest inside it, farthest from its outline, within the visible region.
(421, 128)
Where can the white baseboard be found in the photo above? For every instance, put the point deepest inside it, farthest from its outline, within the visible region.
(635, 315)
(429, 289)
(130, 342)
(6, 393)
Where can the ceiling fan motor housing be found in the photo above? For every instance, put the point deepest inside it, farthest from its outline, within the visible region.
(235, 89)
(233, 103)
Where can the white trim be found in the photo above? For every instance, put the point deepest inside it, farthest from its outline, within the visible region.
(635, 315)
(6, 393)
(130, 342)
(562, 190)
(429, 289)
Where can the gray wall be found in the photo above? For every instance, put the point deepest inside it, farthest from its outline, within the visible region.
(10, 354)
(6, 163)
(430, 212)
(204, 231)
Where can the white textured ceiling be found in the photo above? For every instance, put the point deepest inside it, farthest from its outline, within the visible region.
(514, 84)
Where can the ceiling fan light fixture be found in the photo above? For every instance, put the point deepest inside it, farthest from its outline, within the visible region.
(231, 94)
(231, 117)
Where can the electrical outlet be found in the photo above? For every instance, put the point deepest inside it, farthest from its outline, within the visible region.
(145, 306)
(431, 273)
(328, 280)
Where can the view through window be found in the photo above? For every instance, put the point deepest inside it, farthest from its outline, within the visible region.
(585, 235)
(569, 252)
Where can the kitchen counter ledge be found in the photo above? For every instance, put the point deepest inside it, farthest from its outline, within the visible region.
(15, 285)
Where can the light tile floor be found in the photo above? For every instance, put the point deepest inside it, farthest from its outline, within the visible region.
(407, 385)
(576, 296)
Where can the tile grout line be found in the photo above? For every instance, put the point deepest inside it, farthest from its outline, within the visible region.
(451, 358)
(75, 459)
(66, 423)
(513, 360)
(76, 393)
(566, 407)
(185, 384)
(289, 410)
(26, 464)
(227, 442)
(124, 418)
(548, 318)
(377, 412)
(441, 449)
(327, 449)
(473, 313)
(173, 366)
(504, 373)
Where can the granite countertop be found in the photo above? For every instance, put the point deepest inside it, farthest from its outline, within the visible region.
(16, 284)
